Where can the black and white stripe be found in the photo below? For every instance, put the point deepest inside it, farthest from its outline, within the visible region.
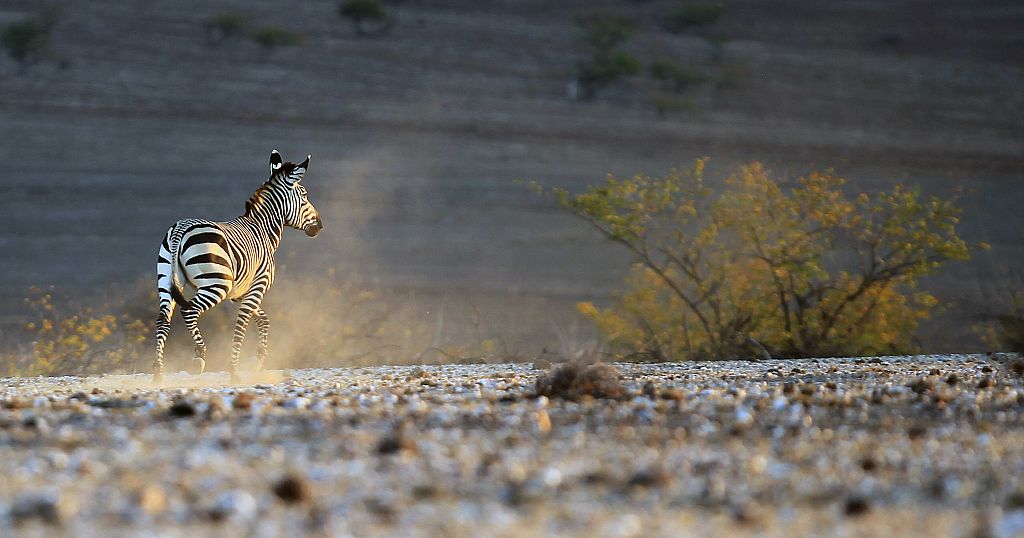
(202, 263)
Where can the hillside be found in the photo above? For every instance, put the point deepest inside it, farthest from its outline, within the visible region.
(418, 135)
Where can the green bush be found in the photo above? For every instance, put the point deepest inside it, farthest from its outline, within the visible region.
(806, 270)
(26, 41)
(361, 12)
(603, 33)
(603, 70)
(270, 38)
(225, 25)
(676, 77)
(693, 15)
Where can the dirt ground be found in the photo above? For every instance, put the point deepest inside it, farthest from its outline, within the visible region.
(891, 446)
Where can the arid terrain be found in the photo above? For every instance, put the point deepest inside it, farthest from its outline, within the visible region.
(434, 251)
(890, 446)
(418, 135)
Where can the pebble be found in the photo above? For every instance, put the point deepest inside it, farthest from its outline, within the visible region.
(236, 505)
(292, 488)
(297, 403)
(46, 507)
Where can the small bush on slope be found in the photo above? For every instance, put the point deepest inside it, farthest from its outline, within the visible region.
(807, 270)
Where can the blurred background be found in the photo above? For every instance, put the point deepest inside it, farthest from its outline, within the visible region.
(117, 119)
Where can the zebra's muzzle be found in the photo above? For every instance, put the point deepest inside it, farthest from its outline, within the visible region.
(314, 228)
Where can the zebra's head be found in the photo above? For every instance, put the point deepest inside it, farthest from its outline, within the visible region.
(296, 209)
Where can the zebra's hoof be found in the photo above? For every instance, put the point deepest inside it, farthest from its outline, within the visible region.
(259, 365)
(158, 379)
(199, 365)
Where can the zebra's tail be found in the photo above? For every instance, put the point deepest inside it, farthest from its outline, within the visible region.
(167, 264)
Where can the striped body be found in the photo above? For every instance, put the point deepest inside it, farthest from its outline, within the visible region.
(205, 261)
(201, 263)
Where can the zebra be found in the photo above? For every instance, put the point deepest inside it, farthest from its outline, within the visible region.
(213, 261)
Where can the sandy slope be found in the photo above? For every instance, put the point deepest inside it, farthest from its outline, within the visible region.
(417, 137)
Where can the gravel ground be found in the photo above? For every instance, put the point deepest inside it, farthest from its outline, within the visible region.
(930, 445)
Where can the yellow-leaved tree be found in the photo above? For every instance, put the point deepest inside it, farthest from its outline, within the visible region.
(806, 270)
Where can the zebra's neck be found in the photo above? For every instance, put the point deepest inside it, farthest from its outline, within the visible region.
(264, 218)
(267, 226)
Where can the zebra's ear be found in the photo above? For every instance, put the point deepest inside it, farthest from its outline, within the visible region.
(297, 171)
(275, 162)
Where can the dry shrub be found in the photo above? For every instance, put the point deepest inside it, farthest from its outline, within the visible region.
(65, 336)
(802, 267)
(574, 380)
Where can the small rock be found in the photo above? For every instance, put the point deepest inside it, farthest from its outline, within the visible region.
(381, 507)
(46, 507)
(747, 513)
(181, 409)
(922, 385)
(649, 478)
(151, 499)
(1010, 524)
(33, 422)
(856, 506)
(300, 402)
(394, 442)
(986, 382)
(15, 403)
(243, 400)
(671, 394)
(543, 421)
(916, 431)
(116, 403)
(744, 418)
(574, 380)
(237, 505)
(292, 488)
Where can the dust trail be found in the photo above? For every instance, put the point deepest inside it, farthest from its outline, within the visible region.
(180, 380)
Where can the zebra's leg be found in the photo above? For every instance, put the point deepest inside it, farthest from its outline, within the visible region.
(249, 304)
(163, 328)
(263, 324)
(166, 304)
(206, 298)
(192, 322)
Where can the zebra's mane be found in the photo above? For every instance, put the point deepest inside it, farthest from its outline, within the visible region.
(256, 200)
